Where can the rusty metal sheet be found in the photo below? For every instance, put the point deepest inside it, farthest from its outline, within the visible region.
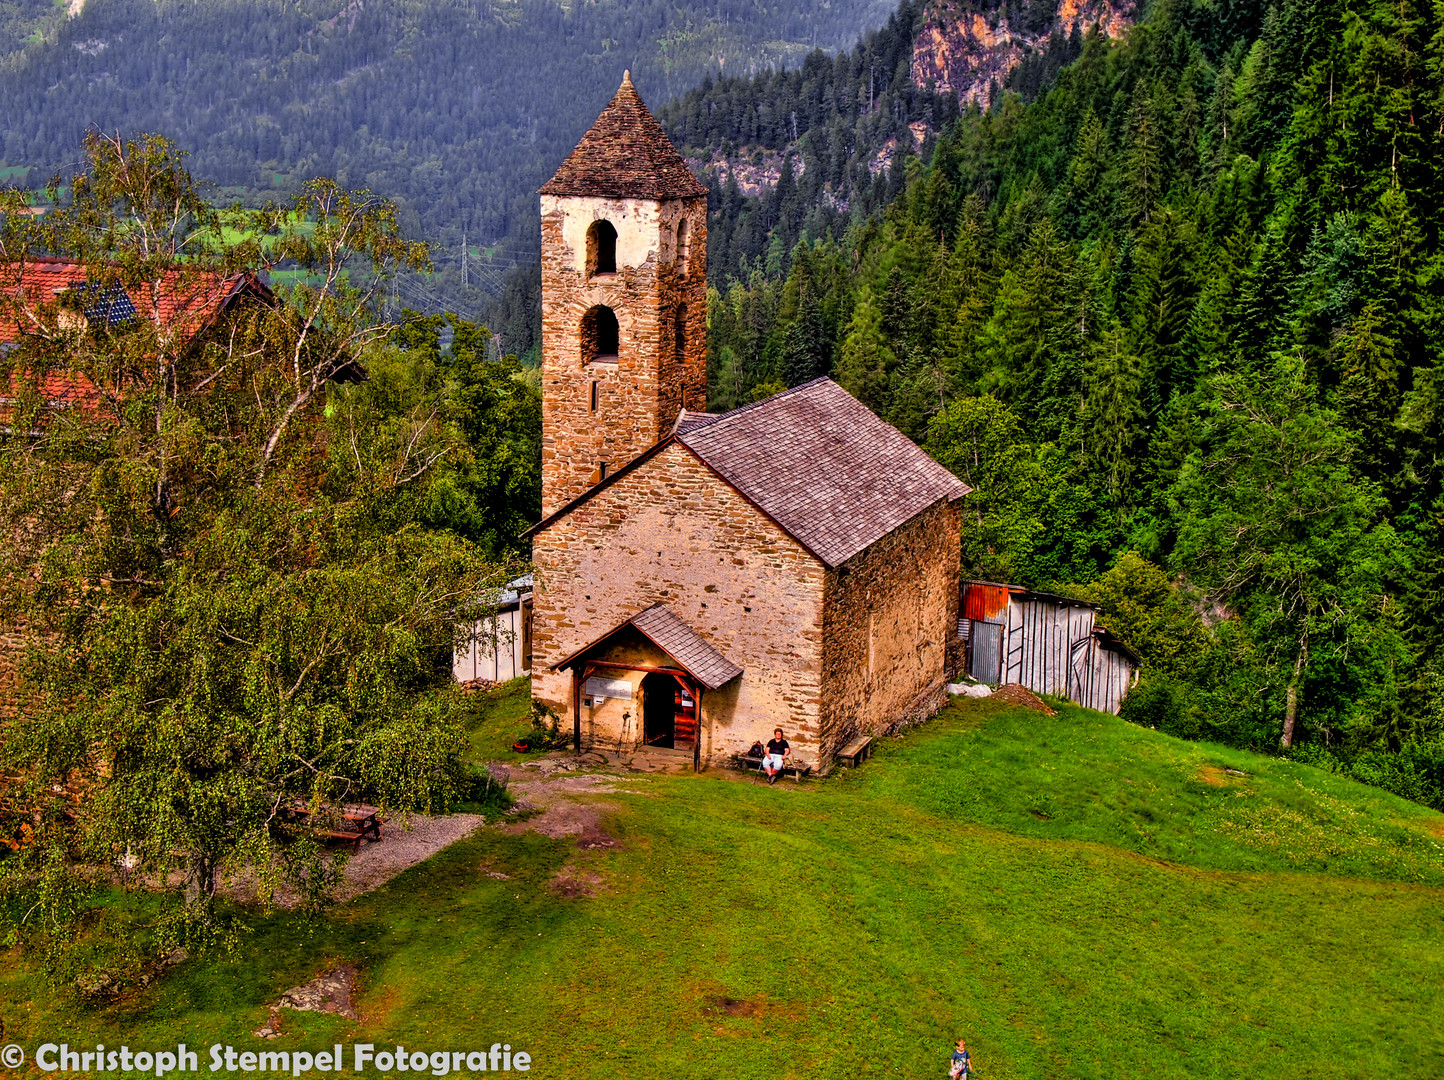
(985, 602)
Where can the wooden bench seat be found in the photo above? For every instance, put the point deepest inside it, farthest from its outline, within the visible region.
(798, 769)
(352, 838)
(856, 752)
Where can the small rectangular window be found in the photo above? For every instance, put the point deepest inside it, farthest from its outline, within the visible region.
(604, 470)
(594, 397)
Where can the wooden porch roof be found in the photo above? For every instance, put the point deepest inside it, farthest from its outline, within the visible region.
(665, 629)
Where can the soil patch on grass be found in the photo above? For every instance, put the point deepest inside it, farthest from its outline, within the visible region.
(1212, 774)
(573, 882)
(558, 809)
(1016, 694)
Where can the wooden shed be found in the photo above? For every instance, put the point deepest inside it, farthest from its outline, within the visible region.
(1050, 644)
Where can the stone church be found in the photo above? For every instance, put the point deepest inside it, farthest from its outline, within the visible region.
(702, 579)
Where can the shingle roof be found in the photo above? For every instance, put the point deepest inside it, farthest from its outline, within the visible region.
(684, 645)
(823, 466)
(815, 460)
(665, 629)
(690, 421)
(625, 155)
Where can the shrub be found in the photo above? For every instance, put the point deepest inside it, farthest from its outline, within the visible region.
(481, 791)
(1158, 701)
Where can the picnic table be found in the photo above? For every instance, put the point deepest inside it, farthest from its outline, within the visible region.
(358, 821)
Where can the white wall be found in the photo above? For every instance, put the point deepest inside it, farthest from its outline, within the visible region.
(494, 649)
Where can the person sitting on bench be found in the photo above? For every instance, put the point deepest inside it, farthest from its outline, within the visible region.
(776, 757)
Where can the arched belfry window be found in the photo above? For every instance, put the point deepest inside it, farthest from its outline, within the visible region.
(679, 334)
(684, 237)
(600, 335)
(601, 249)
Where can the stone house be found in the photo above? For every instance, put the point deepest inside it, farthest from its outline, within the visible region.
(702, 579)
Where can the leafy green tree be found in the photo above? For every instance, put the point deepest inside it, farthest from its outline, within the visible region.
(982, 442)
(1137, 602)
(1277, 521)
(233, 605)
(487, 487)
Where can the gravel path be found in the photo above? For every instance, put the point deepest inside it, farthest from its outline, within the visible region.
(401, 848)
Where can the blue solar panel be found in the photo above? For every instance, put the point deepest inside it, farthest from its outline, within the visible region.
(108, 305)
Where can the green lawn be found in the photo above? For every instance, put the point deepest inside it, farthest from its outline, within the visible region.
(1079, 897)
(497, 719)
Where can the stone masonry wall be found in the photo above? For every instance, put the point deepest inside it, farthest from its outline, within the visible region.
(672, 531)
(640, 395)
(889, 614)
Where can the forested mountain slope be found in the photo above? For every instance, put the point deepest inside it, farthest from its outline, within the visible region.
(841, 128)
(1187, 302)
(457, 108)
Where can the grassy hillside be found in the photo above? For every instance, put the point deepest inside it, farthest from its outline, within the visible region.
(1080, 897)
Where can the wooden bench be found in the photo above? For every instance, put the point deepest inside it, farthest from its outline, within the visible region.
(358, 822)
(352, 838)
(856, 752)
(798, 769)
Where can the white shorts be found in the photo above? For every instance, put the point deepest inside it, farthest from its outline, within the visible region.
(772, 761)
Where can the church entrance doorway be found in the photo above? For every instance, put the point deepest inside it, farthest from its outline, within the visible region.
(669, 712)
(659, 710)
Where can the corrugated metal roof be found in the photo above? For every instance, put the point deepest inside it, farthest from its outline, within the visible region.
(984, 601)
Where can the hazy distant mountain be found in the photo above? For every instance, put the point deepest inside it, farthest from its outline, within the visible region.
(460, 108)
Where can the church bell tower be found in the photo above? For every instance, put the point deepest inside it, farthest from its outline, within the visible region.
(624, 298)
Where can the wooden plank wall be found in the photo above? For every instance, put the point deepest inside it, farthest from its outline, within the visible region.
(1040, 639)
(497, 650)
(1102, 675)
(1049, 645)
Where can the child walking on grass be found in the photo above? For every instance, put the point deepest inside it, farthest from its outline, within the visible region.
(962, 1065)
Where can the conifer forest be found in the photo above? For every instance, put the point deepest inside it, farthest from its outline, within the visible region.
(1174, 312)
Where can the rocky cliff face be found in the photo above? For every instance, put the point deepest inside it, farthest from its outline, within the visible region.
(965, 46)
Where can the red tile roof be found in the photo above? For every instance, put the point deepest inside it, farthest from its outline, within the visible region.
(190, 300)
(625, 155)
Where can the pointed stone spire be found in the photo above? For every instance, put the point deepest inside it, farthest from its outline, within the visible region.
(625, 155)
